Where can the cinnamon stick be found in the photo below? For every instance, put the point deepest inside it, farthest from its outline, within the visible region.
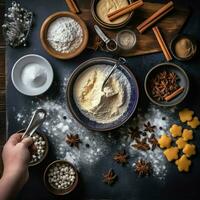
(72, 6)
(174, 94)
(155, 17)
(162, 43)
(122, 11)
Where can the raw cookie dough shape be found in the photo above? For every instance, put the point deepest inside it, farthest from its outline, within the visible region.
(186, 115)
(176, 130)
(189, 150)
(181, 143)
(183, 163)
(164, 141)
(187, 134)
(194, 123)
(171, 153)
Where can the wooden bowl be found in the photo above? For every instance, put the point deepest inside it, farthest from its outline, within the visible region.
(46, 148)
(104, 24)
(47, 46)
(60, 191)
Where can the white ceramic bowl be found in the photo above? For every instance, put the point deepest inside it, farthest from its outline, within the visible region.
(17, 72)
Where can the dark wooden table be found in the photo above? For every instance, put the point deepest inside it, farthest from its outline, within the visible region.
(2, 84)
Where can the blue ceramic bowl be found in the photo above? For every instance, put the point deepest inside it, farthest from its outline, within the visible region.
(93, 125)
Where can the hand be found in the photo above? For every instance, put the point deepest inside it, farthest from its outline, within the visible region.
(16, 156)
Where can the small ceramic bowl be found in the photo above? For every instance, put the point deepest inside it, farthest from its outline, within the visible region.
(107, 25)
(176, 39)
(47, 46)
(184, 82)
(31, 164)
(17, 72)
(83, 119)
(60, 191)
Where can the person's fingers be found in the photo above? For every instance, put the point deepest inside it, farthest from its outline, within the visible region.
(28, 141)
(15, 138)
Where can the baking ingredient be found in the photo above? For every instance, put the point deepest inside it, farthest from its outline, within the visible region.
(142, 168)
(180, 143)
(141, 144)
(61, 176)
(176, 130)
(65, 35)
(41, 146)
(134, 133)
(186, 115)
(184, 48)
(153, 141)
(189, 150)
(109, 177)
(121, 157)
(163, 84)
(171, 153)
(33, 75)
(102, 106)
(104, 7)
(187, 134)
(126, 39)
(164, 141)
(194, 123)
(73, 140)
(183, 163)
(17, 25)
(148, 127)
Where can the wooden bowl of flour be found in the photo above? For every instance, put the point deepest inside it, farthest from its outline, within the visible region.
(68, 45)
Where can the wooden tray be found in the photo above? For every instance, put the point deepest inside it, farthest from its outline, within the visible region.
(170, 25)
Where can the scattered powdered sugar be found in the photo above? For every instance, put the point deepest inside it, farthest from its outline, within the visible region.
(65, 34)
(160, 118)
(58, 124)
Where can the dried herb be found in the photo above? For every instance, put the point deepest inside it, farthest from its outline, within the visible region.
(121, 157)
(141, 144)
(148, 127)
(143, 168)
(73, 140)
(98, 43)
(163, 84)
(134, 132)
(110, 177)
(153, 141)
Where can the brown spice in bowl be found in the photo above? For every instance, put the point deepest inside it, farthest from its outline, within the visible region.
(164, 86)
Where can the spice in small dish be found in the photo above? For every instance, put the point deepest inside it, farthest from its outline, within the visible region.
(104, 7)
(61, 175)
(65, 35)
(183, 47)
(102, 105)
(126, 39)
(165, 86)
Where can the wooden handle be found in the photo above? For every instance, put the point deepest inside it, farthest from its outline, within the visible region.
(72, 6)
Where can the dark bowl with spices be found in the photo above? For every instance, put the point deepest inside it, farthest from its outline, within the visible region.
(166, 84)
(60, 177)
(183, 47)
(103, 23)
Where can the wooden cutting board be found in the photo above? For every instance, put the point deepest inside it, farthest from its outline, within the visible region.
(170, 25)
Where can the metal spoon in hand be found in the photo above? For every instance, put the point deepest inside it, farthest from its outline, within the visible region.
(38, 118)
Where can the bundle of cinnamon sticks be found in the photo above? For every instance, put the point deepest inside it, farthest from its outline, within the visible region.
(155, 17)
(72, 6)
(122, 11)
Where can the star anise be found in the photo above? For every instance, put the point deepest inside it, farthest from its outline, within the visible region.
(141, 144)
(73, 140)
(148, 127)
(97, 43)
(153, 141)
(134, 132)
(109, 177)
(143, 168)
(121, 157)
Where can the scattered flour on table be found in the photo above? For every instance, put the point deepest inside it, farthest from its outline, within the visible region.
(155, 116)
(58, 124)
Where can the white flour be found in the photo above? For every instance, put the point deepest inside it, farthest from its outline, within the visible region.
(65, 35)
